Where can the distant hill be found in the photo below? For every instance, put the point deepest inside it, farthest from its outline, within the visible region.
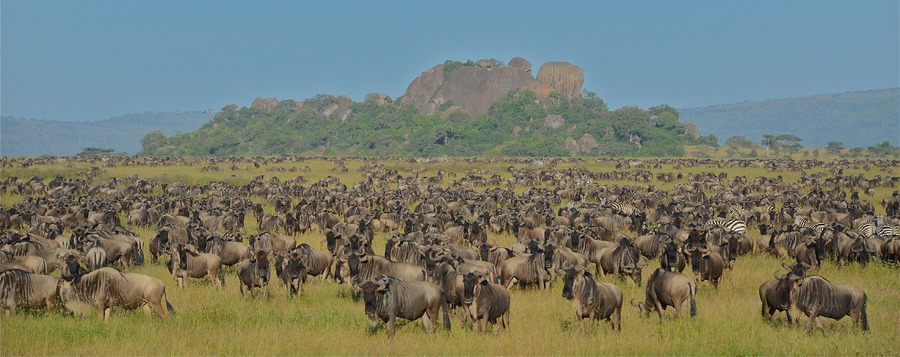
(29, 137)
(858, 119)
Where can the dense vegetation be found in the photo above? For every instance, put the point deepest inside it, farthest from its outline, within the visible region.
(23, 137)
(857, 119)
(514, 126)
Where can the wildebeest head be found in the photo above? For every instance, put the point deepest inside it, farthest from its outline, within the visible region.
(696, 255)
(353, 260)
(70, 267)
(469, 281)
(549, 250)
(670, 256)
(572, 274)
(380, 286)
(862, 251)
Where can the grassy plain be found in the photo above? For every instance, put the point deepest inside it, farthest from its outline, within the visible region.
(326, 321)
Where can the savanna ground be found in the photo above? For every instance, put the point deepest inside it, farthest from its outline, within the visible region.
(325, 320)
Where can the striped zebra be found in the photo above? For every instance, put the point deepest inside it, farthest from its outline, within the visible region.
(887, 231)
(626, 209)
(803, 222)
(730, 225)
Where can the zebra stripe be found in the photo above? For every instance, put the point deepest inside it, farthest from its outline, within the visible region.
(886, 231)
(730, 225)
(623, 208)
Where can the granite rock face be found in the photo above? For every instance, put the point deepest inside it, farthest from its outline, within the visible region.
(473, 88)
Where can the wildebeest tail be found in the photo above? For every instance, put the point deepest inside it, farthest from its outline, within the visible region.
(138, 257)
(168, 305)
(693, 292)
(446, 312)
(863, 316)
(222, 275)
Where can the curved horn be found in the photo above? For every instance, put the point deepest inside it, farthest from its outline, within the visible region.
(785, 265)
(775, 274)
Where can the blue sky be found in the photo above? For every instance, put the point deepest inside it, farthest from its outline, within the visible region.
(92, 60)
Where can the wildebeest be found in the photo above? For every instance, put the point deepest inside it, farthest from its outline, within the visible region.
(254, 273)
(187, 264)
(317, 262)
(529, 269)
(494, 254)
(231, 252)
(389, 298)
(775, 294)
(19, 288)
(622, 259)
(485, 301)
(815, 297)
(707, 265)
(592, 300)
(29, 263)
(665, 288)
(106, 287)
(672, 258)
(293, 274)
(366, 267)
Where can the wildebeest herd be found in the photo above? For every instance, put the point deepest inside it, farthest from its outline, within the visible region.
(437, 227)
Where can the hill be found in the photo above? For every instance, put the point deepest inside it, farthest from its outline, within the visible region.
(858, 119)
(29, 137)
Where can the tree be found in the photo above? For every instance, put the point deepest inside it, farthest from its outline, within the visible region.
(735, 141)
(789, 142)
(834, 147)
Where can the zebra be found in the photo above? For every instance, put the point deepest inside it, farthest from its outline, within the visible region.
(803, 222)
(886, 231)
(730, 225)
(626, 209)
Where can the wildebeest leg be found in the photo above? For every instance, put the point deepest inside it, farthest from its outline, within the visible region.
(615, 322)
(510, 282)
(148, 311)
(426, 321)
(659, 310)
(11, 311)
(505, 320)
(390, 325)
(104, 313)
(813, 314)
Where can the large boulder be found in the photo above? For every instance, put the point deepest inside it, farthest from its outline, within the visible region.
(520, 63)
(554, 121)
(341, 110)
(474, 88)
(692, 130)
(565, 77)
(587, 143)
(422, 89)
(571, 145)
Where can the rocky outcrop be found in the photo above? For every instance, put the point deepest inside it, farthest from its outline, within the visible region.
(692, 130)
(339, 111)
(520, 63)
(422, 89)
(587, 143)
(473, 88)
(264, 104)
(554, 121)
(565, 77)
(453, 109)
(571, 145)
